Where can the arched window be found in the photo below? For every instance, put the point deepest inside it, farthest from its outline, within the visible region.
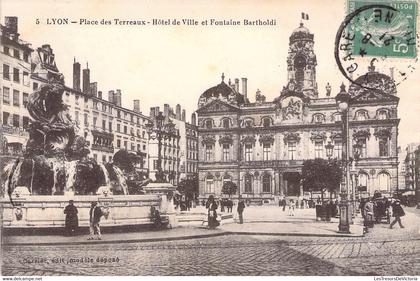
(266, 122)
(209, 184)
(226, 123)
(248, 183)
(266, 182)
(248, 123)
(337, 117)
(364, 181)
(384, 181)
(209, 124)
(382, 114)
(226, 178)
(361, 115)
(318, 118)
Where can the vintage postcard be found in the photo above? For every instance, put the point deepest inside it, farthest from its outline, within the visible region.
(210, 138)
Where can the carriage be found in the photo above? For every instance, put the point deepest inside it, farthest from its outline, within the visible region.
(381, 210)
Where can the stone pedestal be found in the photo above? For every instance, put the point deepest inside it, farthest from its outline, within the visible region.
(166, 192)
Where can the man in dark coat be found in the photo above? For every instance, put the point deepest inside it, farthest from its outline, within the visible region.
(397, 212)
(241, 207)
(212, 206)
(95, 214)
(72, 220)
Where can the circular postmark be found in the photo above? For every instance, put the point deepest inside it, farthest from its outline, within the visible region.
(375, 40)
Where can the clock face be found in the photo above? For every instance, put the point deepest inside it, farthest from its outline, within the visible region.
(300, 62)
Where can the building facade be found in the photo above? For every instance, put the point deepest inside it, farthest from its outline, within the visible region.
(15, 87)
(261, 145)
(411, 176)
(105, 124)
(179, 150)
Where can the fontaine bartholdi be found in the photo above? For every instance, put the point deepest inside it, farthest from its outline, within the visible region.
(56, 168)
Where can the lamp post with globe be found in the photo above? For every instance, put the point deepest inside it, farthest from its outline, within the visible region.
(160, 131)
(343, 100)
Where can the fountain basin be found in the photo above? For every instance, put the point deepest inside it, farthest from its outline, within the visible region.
(47, 211)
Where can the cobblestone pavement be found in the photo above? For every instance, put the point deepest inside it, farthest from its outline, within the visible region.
(381, 252)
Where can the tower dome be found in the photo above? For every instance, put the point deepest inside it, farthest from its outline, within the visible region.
(373, 80)
(301, 33)
(223, 92)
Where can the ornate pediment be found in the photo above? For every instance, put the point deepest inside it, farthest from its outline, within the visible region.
(361, 134)
(318, 136)
(217, 106)
(208, 139)
(248, 139)
(370, 96)
(226, 139)
(292, 109)
(382, 133)
(291, 137)
(269, 138)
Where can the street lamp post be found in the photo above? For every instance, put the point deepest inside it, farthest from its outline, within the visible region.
(329, 149)
(343, 101)
(163, 131)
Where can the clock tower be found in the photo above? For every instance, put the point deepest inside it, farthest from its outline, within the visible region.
(301, 62)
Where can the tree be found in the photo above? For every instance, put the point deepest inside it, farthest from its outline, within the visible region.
(321, 175)
(188, 187)
(229, 188)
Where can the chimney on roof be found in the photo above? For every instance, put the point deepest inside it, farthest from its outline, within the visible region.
(93, 89)
(245, 88)
(166, 110)
(76, 75)
(183, 115)
(117, 97)
(153, 112)
(178, 112)
(86, 80)
(237, 85)
(11, 23)
(136, 106)
(111, 96)
(193, 119)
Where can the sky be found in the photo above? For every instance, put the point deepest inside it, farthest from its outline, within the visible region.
(176, 64)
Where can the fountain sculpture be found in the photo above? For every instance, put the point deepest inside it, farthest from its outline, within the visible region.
(55, 160)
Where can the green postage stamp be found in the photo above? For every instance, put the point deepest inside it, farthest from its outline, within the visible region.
(384, 32)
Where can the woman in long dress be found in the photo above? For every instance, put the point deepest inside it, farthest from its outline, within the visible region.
(212, 213)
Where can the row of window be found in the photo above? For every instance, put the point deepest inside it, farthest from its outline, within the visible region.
(14, 120)
(227, 123)
(16, 75)
(383, 182)
(318, 118)
(106, 108)
(16, 53)
(320, 151)
(191, 167)
(266, 180)
(132, 145)
(16, 101)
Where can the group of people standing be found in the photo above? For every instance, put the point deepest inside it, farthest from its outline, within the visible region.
(212, 206)
(72, 220)
(372, 212)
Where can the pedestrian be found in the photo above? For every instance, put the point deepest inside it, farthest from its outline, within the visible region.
(212, 213)
(95, 214)
(291, 207)
(240, 209)
(397, 213)
(72, 220)
(230, 206)
(369, 217)
(283, 203)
